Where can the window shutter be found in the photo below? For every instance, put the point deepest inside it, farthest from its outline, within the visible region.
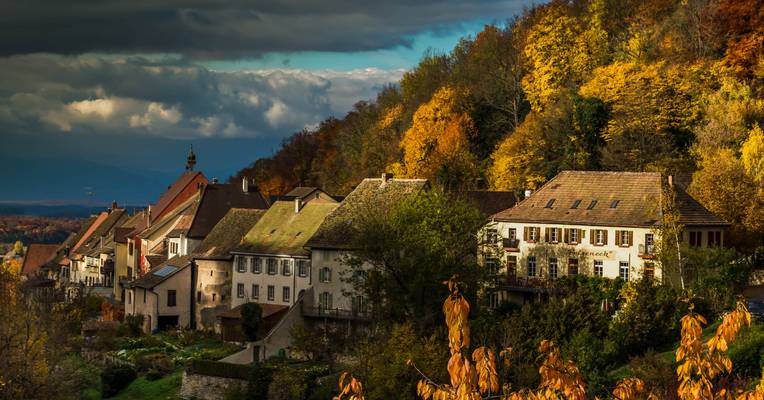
(546, 235)
(592, 237)
(566, 235)
(581, 235)
(631, 238)
(617, 238)
(604, 236)
(525, 233)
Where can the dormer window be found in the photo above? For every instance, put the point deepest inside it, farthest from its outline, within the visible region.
(549, 203)
(614, 203)
(591, 205)
(576, 204)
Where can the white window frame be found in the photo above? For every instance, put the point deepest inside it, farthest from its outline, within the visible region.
(286, 267)
(325, 301)
(554, 236)
(257, 265)
(599, 237)
(241, 264)
(533, 234)
(240, 290)
(255, 291)
(623, 270)
(492, 266)
(553, 268)
(302, 268)
(625, 238)
(573, 235)
(272, 265)
(286, 294)
(599, 268)
(325, 275)
(531, 261)
(271, 293)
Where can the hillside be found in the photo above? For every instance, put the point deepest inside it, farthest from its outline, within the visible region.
(660, 85)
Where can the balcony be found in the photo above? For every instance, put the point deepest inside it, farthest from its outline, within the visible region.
(512, 245)
(647, 251)
(335, 313)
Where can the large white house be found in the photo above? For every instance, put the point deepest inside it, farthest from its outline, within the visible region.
(271, 264)
(601, 224)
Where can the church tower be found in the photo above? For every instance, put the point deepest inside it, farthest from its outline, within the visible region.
(191, 159)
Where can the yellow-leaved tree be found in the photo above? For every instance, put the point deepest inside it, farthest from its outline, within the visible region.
(437, 145)
(752, 155)
(476, 377)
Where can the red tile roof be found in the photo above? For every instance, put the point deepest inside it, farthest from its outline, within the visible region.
(37, 255)
(168, 197)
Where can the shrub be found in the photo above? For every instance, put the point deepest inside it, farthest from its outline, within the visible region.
(288, 384)
(115, 378)
(747, 353)
(657, 373)
(155, 365)
(259, 381)
(134, 324)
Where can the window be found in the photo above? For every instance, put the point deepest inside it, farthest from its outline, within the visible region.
(575, 204)
(255, 292)
(272, 266)
(554, 236)
(271, 292)
(614, 203)
(199, 296)
(623, 238)
(325, 275)
(600, 237)
(285, 294)
(623, 270)
(599, 271)
(549, 203)
(572, 266)
(286, 267)
(491, 236)
(325, 301)
(240, 290)
(649, 270)
(130, 246)
(696, 239)
(302, 268)
(552, 268)
(512, 234)
(492, 266)
(532, 233)
(493, 300)
(171, 300)
(130, 297)
(359, 304)
(649, 243)
(241, 264)
(511, 266)
(257, 266)
(714, 238)
(214, 296)
(592, 205)
(531, 266)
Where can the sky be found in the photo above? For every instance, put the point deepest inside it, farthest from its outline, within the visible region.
(101, 100)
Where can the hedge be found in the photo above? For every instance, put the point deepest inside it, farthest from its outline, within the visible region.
(219, 369)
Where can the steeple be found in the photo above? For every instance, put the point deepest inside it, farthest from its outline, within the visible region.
(191, 159)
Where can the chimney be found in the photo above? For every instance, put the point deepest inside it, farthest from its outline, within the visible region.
(386, 177)
(214, 181)
(148, 216)
(297, 205)
(671, 180)
(244, 185)
(114, 205)
(528, 193)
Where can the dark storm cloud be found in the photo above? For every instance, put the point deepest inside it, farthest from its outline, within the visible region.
(70, 94)
(228, 29)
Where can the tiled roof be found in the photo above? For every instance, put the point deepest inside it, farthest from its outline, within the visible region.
(596, 198)
(96, 222)
(489, 202)
(37, 255)
(166, 199)
(106, 228)
(157, 275)
(228, 233)
(155, 259)
(215, 202)
(283, 231)
(188, 207)
(371, 195)
(301, 191)
(692, 213)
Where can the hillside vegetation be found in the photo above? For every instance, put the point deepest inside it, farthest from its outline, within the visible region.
(659, 85)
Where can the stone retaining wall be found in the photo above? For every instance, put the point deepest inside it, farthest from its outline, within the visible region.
(205, 387)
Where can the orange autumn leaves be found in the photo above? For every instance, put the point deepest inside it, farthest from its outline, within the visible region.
(476, 378)
(437, 143)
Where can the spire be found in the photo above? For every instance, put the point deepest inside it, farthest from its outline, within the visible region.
(191, 159)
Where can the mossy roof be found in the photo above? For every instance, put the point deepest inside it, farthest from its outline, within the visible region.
(228, 233)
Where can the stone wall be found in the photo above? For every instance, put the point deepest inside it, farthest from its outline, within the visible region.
(205, 387)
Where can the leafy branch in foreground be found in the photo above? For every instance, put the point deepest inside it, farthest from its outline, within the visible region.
(700, 365)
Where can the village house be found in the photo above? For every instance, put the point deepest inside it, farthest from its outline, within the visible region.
(603, 224)
(89, 258)
(163, 296)
(271, 264)
(213, 263)
(122, 272)
(332, 296)
(37, 255)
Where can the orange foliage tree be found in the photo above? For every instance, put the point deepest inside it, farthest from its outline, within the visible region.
(476, 377)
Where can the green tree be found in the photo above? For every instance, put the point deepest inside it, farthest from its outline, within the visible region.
(403, 253)
(18, 248)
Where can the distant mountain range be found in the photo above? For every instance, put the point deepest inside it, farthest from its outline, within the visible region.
(64, 210)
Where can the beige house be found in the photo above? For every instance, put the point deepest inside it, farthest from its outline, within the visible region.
(271, 264)
(213, 265)
(163, 295)
(332, 296)
(601, 224)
